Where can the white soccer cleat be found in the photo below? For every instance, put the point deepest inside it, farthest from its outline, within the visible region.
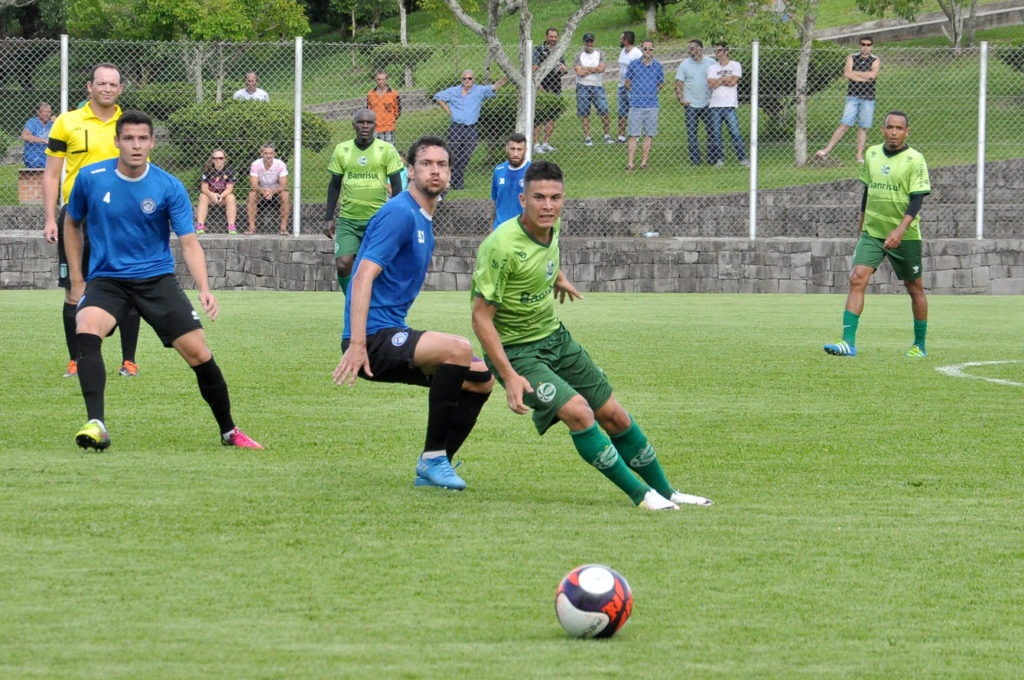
(655, 501)
(689, 499)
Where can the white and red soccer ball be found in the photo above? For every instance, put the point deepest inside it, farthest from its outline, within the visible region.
(593, 601)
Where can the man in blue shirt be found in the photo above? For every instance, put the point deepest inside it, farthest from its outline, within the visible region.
(36, 134)
(694, 95)
(644, 80)
(130, 204)
(508, 180)
(377, 342)
(462, 103)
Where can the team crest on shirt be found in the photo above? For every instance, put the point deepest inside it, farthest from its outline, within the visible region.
(885, 169)
(521, 254)
(501, 180)
(551, 268)
(362, 160)
(398, 339)
(148, 206)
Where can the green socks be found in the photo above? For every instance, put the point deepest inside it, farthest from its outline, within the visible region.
(639, 455)
(595, 448)
(920, 330)
(343, 282)
(850, 321)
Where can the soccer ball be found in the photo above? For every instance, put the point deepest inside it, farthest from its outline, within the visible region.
(593, 601)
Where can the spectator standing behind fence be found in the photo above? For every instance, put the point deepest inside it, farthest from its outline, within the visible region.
(36, 134)
(861, 70)
(644, 80)
(268, 184)
(551, 83)
(385, 103)
(508, 180)
(361, 170)
(250, 92)
(590, 66)
(723, 76)
(694, 95)
(462, 103)
(217, 187)
(627, 56)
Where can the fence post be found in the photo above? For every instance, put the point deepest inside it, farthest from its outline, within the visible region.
(755, 64)
(530, 98)
(297, 162)
(63, 72)
(979, 200)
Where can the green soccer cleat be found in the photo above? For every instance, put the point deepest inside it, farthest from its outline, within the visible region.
(915, 352)
(93, 435)
(841, 348)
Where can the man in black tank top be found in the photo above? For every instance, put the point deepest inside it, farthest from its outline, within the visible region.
(861, 70)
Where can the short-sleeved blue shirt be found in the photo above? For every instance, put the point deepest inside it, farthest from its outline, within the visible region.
(643, 83)
(465, 107)
(130, 219)
(505, 189)
(34, 153)
(400, 239)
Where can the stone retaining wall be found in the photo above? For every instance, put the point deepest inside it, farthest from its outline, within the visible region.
(706, 265)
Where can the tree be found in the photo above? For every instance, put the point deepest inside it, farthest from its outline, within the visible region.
(959, 27)
(651, 8)
(496, 10)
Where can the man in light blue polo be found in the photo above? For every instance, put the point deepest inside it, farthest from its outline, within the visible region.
(644, 80)
(693, 94)
(462, 103)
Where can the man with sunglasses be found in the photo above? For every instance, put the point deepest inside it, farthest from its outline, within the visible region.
(861, 70)
(462, 103)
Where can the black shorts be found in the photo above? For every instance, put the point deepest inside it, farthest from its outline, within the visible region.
(64, 278)
(390, 352)
(159, 300)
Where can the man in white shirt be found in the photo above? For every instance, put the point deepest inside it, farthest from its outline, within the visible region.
(723, 76)
(590, 66)
(268, 184)
(627, 56)
(250, 92)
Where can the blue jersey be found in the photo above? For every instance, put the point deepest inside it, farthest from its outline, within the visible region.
(130, 219)
(505, 190)
(399, 238)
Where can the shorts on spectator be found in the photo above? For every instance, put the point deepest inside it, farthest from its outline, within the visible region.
(860, 112)
(591, 94)
(643, 122)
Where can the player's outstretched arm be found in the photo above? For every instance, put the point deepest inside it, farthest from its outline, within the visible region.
(195, 260)
(355, 357)
(564, 289)
(483, 326)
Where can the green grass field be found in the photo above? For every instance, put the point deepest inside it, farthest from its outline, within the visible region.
(867, 521)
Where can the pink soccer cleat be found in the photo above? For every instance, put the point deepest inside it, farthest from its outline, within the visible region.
(240, 439)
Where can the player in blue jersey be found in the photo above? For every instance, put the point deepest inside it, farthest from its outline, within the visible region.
(132, 207)
(508, 180)
(377, 342)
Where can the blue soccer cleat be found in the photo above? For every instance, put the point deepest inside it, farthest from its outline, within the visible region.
(915, 352)
(841, 348)
(438, 472)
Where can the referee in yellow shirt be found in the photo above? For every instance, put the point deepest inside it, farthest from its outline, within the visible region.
(79, 138)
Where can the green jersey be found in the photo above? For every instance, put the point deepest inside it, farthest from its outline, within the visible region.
(366, 171)
(517, 274)
(890, 181)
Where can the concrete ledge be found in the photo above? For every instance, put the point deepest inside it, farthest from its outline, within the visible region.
(659, 265)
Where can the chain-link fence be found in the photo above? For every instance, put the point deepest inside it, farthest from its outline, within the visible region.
(190, 90)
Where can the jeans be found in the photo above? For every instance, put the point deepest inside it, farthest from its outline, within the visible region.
(462, 141)
(728, 114)
(694, 116)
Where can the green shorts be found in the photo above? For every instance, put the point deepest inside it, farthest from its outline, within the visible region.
(558, 368)
(904, 258)
(348, 236)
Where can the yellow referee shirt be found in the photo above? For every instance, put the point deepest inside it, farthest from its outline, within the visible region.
(80, 138)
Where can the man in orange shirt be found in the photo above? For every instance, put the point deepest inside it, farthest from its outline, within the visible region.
(386, 105)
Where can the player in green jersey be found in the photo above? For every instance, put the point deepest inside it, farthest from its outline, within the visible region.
(542, 368)
(361, 169)
(895, 181)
